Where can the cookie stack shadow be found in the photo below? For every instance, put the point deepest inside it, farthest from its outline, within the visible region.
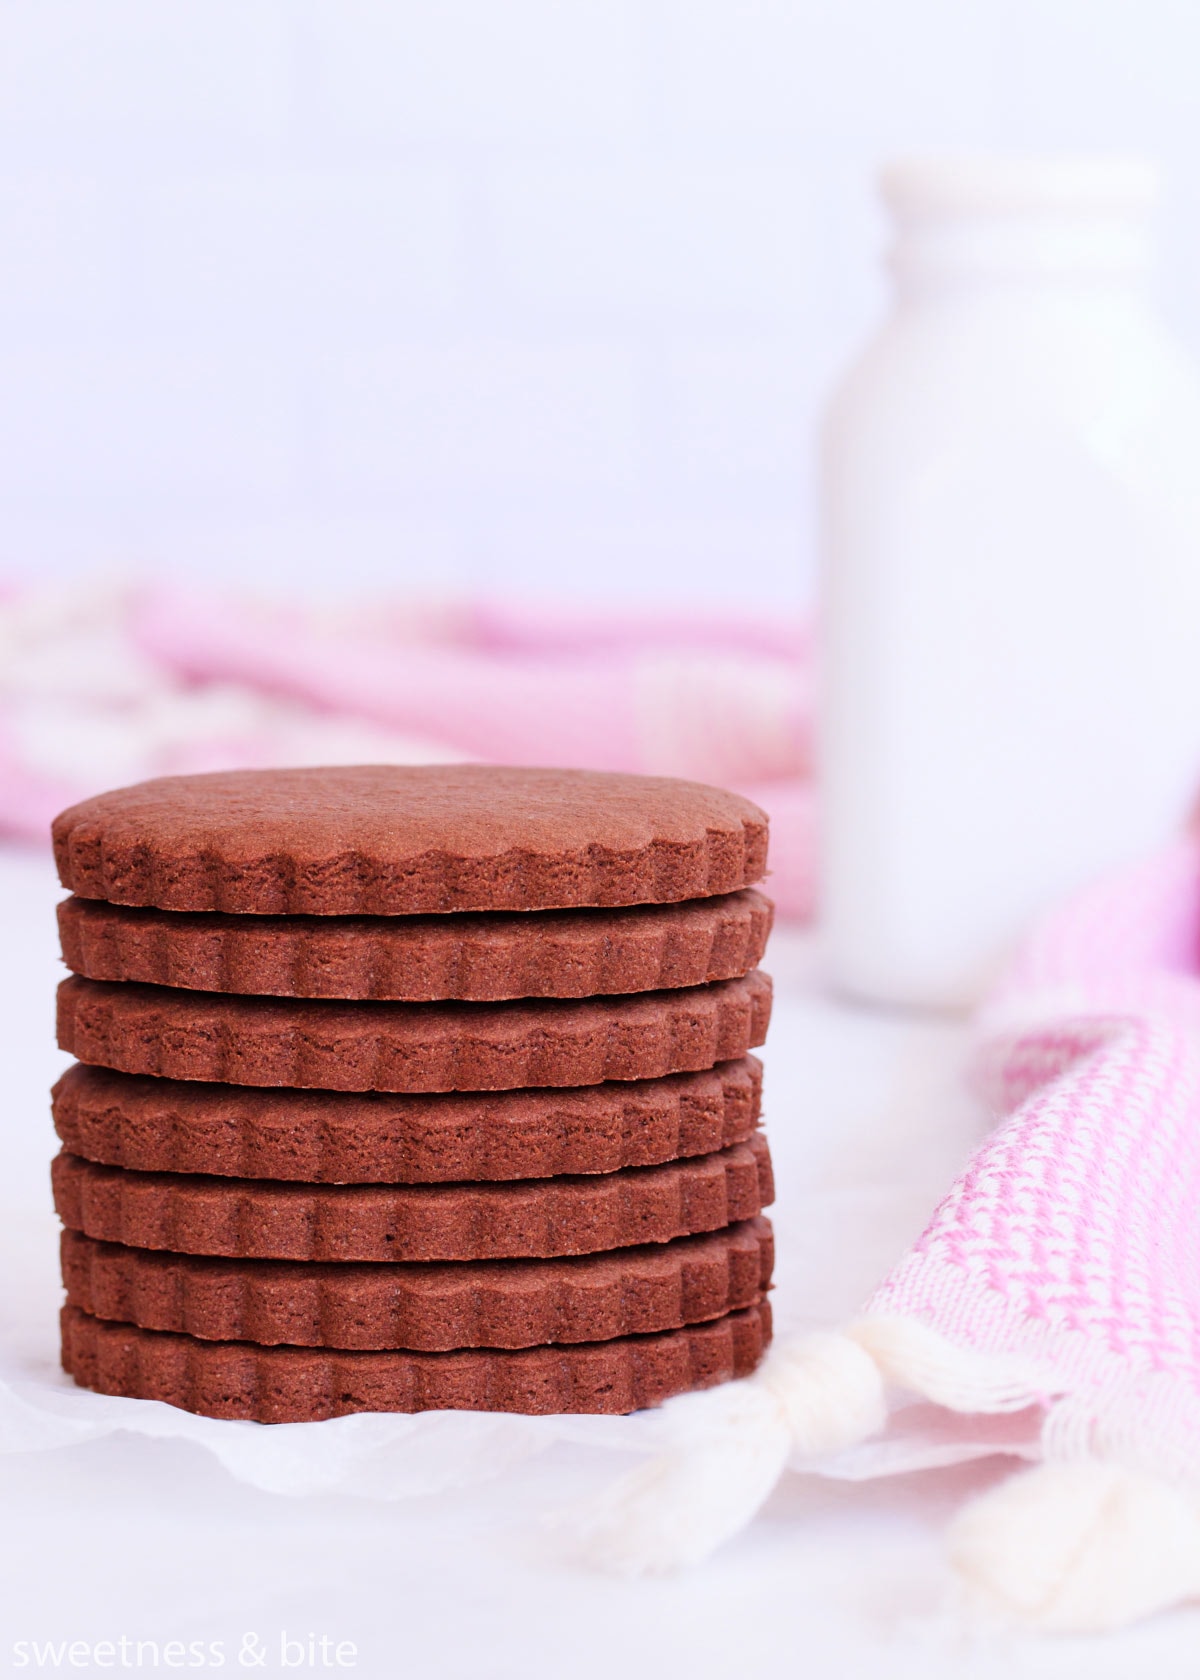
(380, 1135)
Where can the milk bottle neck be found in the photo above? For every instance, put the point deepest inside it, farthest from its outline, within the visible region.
(1019, 228)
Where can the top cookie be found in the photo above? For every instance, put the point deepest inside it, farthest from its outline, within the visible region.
(390, 840)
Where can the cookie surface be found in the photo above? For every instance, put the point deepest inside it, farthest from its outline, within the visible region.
(555, 953)
(167, 1125)
(398, 840)
(410, 1047)
(426, 1308)
(258, 1219)
(294, 1385)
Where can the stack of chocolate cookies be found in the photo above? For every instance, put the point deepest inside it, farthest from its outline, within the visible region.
(408, 1088)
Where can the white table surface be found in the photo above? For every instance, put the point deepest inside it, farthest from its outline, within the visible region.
(155, 1541)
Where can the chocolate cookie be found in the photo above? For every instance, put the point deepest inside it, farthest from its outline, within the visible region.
(323, 1137)
(294, 1385)
(254, 1219)
(418, 959)
(427, 1308)
(414, 1046)
(391, 840)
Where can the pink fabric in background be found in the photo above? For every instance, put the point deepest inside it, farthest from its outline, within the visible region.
(27, 793)
(628, 702)
(1072, 1240)
(168, 680)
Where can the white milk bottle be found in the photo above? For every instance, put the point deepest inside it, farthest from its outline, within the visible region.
(1010, 693)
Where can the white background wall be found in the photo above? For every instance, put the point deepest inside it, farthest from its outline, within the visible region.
(522, 293)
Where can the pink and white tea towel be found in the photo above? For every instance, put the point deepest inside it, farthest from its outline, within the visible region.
(1050, 1310)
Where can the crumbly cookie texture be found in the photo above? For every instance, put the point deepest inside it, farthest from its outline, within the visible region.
(400, 840)
(428, 1308)
(422, 959)
(294, 1385)
(410, 1047)
(256, 1219)
(379, 1137)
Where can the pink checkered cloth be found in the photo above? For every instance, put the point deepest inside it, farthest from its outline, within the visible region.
(1072, 1240)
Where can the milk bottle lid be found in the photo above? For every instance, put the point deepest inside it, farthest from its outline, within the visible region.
(966, 184)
